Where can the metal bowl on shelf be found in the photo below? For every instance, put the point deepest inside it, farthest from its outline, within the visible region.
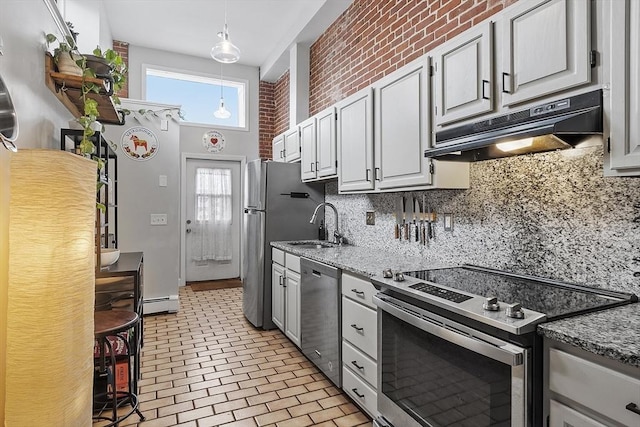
(8, 119)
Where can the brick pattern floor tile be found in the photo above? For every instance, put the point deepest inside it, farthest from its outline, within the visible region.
(208, 366)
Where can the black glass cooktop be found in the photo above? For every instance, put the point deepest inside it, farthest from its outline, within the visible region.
(553, 298)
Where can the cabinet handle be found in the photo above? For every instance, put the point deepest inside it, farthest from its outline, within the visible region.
(312, 167)
(366, 176)
(484, 85)
(280, 280)
(317, 169)
(375, 174)
(357, 328)
(633, 408)
(318, 353)
(355, 390)
(354, 363)
(504, 86)
(357, 292)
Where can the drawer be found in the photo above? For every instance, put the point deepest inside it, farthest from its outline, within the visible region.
(360, 327)
(360, 392)
(563, 416)
(362, 365)
(599, 388)
(358, 289)
(277, 256)
(292, 262)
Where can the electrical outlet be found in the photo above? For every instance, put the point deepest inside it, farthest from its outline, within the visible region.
(158, 219)
(371, 218)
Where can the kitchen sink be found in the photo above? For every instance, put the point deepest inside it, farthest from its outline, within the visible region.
(312, 245)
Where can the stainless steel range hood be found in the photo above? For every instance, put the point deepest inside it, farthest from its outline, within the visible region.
(556, 125)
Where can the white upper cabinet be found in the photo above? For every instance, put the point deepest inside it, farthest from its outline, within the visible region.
(277, 147)
(402, 127)
(292, 145)
(545, 48)
(308, 162)
(318, 143)
(621, 55)
(463, 75)
(354, 134)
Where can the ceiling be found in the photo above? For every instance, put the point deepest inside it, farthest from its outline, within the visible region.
(263, 30)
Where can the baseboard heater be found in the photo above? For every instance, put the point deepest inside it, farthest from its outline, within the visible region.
(165, 304)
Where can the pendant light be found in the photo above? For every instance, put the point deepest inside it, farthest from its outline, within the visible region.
(221, 112)
(225, 51)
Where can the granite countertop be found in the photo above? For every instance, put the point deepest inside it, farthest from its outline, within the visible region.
(358, 260)
(611, 333)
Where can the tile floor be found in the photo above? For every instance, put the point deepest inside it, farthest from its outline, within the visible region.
(207, 366)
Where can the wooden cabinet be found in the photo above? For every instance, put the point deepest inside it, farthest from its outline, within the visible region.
(463, 76)
(277, 147)
(583, 391)
(285, 293)
(318, 145)
(545, 48)
(621, 56)
(359, 342)
(354, 134)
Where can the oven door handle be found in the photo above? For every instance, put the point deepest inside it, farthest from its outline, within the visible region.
(504, 352)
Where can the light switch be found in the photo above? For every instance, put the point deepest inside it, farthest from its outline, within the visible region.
(158, 219)
(164, 124)
(162, 180)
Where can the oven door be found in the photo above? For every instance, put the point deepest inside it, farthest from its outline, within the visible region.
(436, 372)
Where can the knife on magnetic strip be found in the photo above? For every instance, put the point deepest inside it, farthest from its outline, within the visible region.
(398, 218)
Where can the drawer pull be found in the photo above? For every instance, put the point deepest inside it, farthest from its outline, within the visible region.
(357, 292)
(633, 408)
(355, 390)
(357, 328)
(354, 363)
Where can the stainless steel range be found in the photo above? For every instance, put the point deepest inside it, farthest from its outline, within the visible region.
(457, 346)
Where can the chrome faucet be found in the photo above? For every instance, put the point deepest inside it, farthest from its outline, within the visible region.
(337, 237)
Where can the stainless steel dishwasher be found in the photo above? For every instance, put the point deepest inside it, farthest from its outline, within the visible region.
(320, 317)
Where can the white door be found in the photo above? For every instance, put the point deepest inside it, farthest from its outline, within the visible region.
(212, 242)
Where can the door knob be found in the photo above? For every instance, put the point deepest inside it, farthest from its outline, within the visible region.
(188, 230)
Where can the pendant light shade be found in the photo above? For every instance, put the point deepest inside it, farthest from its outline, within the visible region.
(222, 112)
(224, 51)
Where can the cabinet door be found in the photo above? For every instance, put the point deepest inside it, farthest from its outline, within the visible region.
(326, 143)
(545, 48)
(292, 145)
(402, 127)
(355, 142)
(277, 295)
(463, 70)
(277, 148)
(563, 416)
(308, 160)
(292, 307)
(622, 73)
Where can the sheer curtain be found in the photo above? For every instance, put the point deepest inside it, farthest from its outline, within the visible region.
(211, 233)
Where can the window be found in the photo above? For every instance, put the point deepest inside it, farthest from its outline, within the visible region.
(198, 95)
(213, 195)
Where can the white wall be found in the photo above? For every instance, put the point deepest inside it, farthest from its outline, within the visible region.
(90, 22)
(243, 143)
(139, 196)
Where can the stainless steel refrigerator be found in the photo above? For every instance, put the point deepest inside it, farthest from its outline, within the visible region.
(277, 206)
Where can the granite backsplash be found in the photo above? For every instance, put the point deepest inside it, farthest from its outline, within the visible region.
(552, 215)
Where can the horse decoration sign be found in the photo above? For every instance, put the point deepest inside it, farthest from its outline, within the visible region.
(213, 141)
(139, 143)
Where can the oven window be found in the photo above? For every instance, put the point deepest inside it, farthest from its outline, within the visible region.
(439, 383)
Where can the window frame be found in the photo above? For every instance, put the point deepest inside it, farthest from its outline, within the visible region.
(243, 98)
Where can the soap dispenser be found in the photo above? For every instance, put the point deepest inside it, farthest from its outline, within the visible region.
(322, 235)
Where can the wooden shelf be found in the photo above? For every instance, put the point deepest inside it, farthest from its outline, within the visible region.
(68, 89)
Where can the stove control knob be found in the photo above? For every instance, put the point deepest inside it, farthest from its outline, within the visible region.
(387, 273)
(491, 304)
(515, 311)
(398, 277)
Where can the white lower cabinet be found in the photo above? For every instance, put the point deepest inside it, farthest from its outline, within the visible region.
(359, 342)
(585, 393)
(285, 293)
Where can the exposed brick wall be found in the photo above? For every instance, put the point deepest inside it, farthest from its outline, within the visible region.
(281, 100)
(266, 122)
(123, 49)
(375, 37)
